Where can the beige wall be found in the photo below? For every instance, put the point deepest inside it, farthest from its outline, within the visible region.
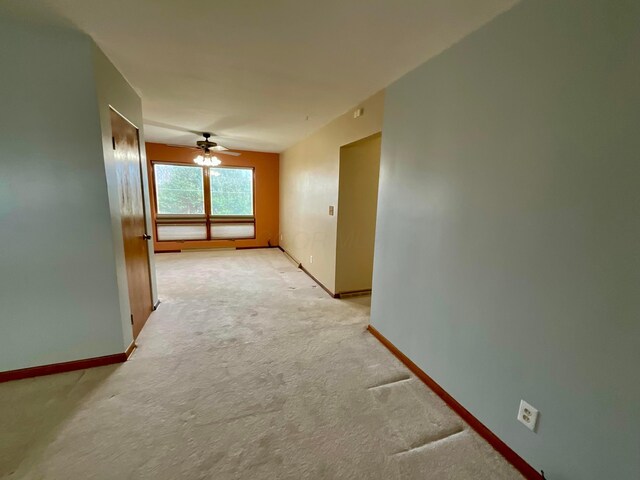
(309, 185)
(357, 206)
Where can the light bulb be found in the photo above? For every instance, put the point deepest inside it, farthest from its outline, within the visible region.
(207, 160)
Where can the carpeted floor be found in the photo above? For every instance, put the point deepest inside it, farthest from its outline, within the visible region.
(248, 370)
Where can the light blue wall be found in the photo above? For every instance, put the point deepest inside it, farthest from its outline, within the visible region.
(507, 260)
(59, 298)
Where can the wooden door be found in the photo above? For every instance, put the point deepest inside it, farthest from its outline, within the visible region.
(134, 232)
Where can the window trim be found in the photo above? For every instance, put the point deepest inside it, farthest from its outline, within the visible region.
(155, 191)
(207, 218)
(253, 192)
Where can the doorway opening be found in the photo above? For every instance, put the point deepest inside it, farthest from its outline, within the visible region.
(357, 209)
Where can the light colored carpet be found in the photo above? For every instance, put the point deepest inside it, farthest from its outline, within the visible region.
(248, 370)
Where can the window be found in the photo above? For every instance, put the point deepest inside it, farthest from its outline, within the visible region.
(231, 192)
(183, 212)
(179, 190)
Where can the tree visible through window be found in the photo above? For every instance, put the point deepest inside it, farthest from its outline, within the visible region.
(231, 191)
(179, 190)
(185, 213)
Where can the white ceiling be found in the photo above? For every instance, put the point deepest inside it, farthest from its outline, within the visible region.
(262, 74)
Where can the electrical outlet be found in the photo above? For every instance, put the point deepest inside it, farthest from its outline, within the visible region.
(331, 210)
(280, 237)
(528, 415)
(310, 258)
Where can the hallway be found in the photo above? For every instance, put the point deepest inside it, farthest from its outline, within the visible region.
(247, 370)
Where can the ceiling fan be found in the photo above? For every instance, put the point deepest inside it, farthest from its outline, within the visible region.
(207, 150)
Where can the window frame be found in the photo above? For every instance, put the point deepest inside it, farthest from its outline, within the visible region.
(155, 191)
(207, 219)
(253, 192)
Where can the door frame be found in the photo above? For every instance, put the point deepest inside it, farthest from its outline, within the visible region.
(144, 214)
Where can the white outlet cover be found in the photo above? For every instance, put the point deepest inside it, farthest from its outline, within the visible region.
(311, 259)
(528, 415)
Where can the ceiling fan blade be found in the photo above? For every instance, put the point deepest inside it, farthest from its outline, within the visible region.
(168, 126)
(182, 146)
(229, 152)
(219, 148)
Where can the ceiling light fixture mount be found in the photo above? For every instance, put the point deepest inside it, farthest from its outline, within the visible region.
(207, 158)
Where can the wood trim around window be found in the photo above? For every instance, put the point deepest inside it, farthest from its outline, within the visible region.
(266, 195)
(207, 219)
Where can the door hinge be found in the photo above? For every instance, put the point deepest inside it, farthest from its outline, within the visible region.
(132, 319)
(113, 142)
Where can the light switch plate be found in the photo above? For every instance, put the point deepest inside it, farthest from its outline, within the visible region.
(331, 210)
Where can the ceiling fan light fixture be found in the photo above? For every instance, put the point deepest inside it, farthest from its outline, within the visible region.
(207, 160)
